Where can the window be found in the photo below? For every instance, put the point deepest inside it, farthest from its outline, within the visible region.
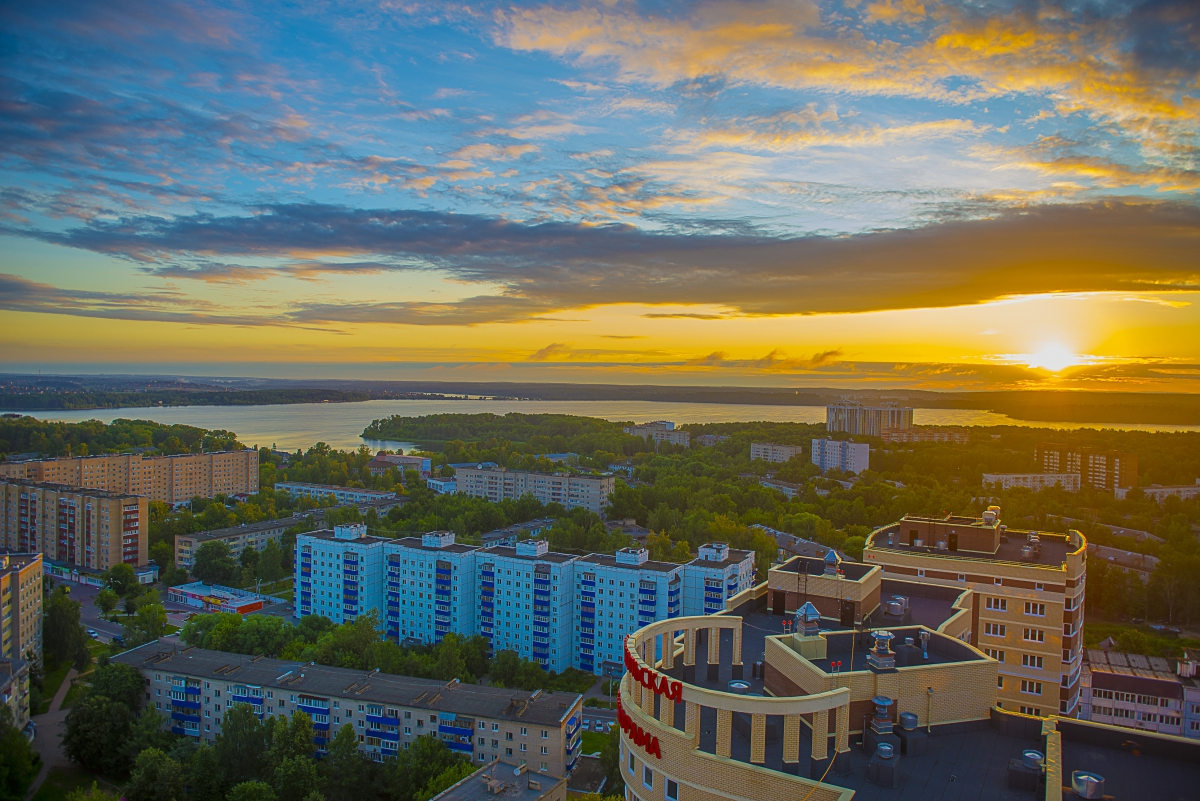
(962, 576)
(647, 777)
(999, 582)
(1035, 609)
(545, 734)
(1031, 687)
(1033, 635)
(1031, 710)
(544, 767)
(1031, 661)
(508, 735)
(672, 791)
(630, 754)
(995, 629)
(997, 604)
(1000, 682)
(921, 572)
(1039, 586)
(994, 653)
(545, 751)
(482, 724)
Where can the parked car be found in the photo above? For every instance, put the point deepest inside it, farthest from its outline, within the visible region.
(119, 640)
(92, 633)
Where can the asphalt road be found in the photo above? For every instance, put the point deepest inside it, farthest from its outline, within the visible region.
(89, 615)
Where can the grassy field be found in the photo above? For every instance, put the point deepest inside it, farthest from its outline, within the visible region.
(593, 742)
(61, 781)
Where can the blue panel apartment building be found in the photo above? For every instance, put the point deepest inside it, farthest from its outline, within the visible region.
(430, 588)
(616, 596)
(556, 609)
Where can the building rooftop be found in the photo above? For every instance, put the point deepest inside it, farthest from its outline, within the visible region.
(415, 542)
(244, 528)
(328, 534)
(536, 708)
(733, 557)
(850, 649)
(501, 780)
(509, 552)
(611, 561)
(50, 485)
(1051, 552)
(335, 488)
(815, 566)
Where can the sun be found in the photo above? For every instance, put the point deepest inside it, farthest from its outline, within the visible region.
(1055, 357)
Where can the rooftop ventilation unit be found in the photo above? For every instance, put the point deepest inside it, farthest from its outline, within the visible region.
(1087, 784)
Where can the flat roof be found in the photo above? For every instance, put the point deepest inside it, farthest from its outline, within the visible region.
(245, 528)
(335, 488)
(1052, 549)
(815, 566)
(72, 489)
(611, 561)
(510, 552)
(538, 708)
(327, 534)
(498, 780)
(415, 542)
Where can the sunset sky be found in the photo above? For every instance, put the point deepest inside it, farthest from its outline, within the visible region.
(773, 193)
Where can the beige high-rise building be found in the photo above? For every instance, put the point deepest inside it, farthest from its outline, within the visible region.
(174, 479)
(80, 527)
(1027, 599)
(21, 606)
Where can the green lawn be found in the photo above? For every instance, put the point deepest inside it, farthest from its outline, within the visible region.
(593, 741)
(61, 781)
(50, 684)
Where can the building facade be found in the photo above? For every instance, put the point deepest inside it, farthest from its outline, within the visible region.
(530, 529)
(195, 689)
(497, 484)
(715, 576)
(925, 434)
(770, 452)
(1134, 691)
(172, 479)
(1159, 494)
(339, 573)
(1032, 481)
(238, 538)
(384, 462)
(430, 588)
(660, 431)
(617, 595)
(851, 457)
(1028, 594)
(299, 489)
(1105, 470)
(21, 607)
(14, 689)
(867, 421)
(442, 485)
(87, 528)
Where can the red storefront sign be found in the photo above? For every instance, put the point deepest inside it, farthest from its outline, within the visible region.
(652, 680)
(641, 737)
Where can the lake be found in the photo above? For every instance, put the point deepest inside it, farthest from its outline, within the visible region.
(293, 426)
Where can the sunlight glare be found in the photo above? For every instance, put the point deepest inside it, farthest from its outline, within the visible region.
(1055, 357)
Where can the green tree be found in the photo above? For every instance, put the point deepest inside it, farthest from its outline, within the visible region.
(344, 768)
(610, 762)
(122, 579)
(155, 777)
(205, 775)
(446, 779)
(250, 558)
(413, 768)
(506, 669)
(241, 747)
(270, 562)
(93, 793)
(162, 554)
(290, 738)
(148, 624)
(251, 791)
(118, 682)
(97, 729)
(106, 601)
(19, 763)
(65, 640)
(296, 778)
(213, 564)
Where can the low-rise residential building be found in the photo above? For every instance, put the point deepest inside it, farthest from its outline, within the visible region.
(173, 479)
(788, 488)
(88, 528)
(384, 462)
(850, 457)
(1159, 493)
(442, 485)
(708, 440)
(14, 689)
(617, 595)
(925, 434)
(299, 489)
(1131, 690)
(509, 535)
(21, 606)
(430, 588)
(1188, 670)
(237, 538)
(1032, 481)
(660, 431)
(572, 490)
(630, 528)
(195, 688)
(770, 452)
(1140, 564)
(716, 575)
(505, 779)
(339, 573)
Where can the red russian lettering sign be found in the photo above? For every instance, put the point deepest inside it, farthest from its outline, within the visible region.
(652, 680)
(641, 738)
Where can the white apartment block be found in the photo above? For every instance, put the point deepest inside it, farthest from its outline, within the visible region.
(770, 452)
(498, 484)
(526, 602)
(715, 576)
(298, 489)
(1032, 481)
(430, 588)
(617, 595)
(339, 573)
(660, 431)
(852, 457)
(866, 421)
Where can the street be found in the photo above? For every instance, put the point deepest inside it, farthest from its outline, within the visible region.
(89, 614)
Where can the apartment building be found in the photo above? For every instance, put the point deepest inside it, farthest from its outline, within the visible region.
(617, 595)
(530, 529)
(771, 452)
(660, 431)
(1032, 481)
(14, 689)
(1159, 493)
(1105, 470)
(442, 485)
(384, 462)
(238, 538)
(498, 484)
(851, 457)
(527, 600)
(429, 588)
(1027, 597)
(717, 574)
(21, 608)
(867, 421)
(172, 479)
(78, 527)
(1134, 691)
(195, 689)
(957, 436)
(299, 489)
(339, 573)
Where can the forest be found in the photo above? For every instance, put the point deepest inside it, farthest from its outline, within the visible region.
(92, 437)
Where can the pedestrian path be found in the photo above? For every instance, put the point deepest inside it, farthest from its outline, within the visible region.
(48, 741)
